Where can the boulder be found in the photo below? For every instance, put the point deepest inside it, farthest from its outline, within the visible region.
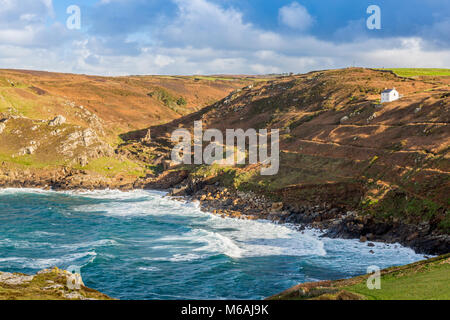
(28, 150)
(344, 119)
(148, 137)
(14, 279)
(277, 206)
(58, 121)
(83, 160)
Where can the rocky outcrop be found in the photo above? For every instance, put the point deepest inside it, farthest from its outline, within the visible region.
(12, 279)
(48, 284)
(423, 237)
(165, 181)
(62, 179)
(85, 144)
(31, 149)
(57, 121)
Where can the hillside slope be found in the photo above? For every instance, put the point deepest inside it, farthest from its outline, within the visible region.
(423, 280)
(51, 120)
(341, 148)
(123, 103)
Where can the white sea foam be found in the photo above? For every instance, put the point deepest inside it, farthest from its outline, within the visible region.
(41, 263)
(212, 235)
(149, 269)
(215, 242)
(24, 244)
(115, 194)
(150, 203)
(90, 244)
(95, 194)
(243, 239)
(231, 237)
(178, 257)
(9, 191)
(44, 234)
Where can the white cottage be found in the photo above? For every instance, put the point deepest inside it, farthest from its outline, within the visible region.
(389, 95)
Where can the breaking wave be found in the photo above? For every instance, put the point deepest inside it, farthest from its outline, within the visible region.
(142, 245)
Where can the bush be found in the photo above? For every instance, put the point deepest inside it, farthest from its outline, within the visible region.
(168, 100)
(181, 101)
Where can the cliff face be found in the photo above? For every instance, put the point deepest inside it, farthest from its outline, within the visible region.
(340, 146)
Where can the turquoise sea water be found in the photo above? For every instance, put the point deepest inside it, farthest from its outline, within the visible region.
(141, 245)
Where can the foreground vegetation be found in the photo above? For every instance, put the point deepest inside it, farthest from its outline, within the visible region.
(50, 284)
(417, 72)
(424, 280)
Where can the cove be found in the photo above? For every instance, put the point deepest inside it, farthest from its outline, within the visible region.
(142, 245)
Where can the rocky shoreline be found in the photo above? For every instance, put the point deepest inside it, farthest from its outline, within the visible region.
(334, 221)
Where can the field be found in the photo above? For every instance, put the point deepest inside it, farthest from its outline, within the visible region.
(424, 280)
(419, 72)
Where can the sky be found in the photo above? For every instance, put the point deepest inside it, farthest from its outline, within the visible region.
(184, 37)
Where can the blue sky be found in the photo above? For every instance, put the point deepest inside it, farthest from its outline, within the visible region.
(119, 37)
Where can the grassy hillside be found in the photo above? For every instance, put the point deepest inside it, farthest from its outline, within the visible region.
(420, 72)
(123, 103)
(96, 110)
(339, 144)
(424, 280)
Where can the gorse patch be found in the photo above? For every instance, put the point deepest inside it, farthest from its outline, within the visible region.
(169, 100)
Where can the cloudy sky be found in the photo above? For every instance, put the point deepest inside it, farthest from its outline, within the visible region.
(119, 37)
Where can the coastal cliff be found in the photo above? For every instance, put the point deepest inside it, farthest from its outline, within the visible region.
(348, 164)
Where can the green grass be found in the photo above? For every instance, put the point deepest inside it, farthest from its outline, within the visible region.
(33, 109)
(428, 283)
(34, 290)
(209, 78)
(416, 72)
(423, 280)
(111, 167)
(29, 162)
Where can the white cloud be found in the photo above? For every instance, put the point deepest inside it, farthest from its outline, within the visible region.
(14, 13)
(296, 17)
(202, 38)
(25, 23)
(200, 23)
